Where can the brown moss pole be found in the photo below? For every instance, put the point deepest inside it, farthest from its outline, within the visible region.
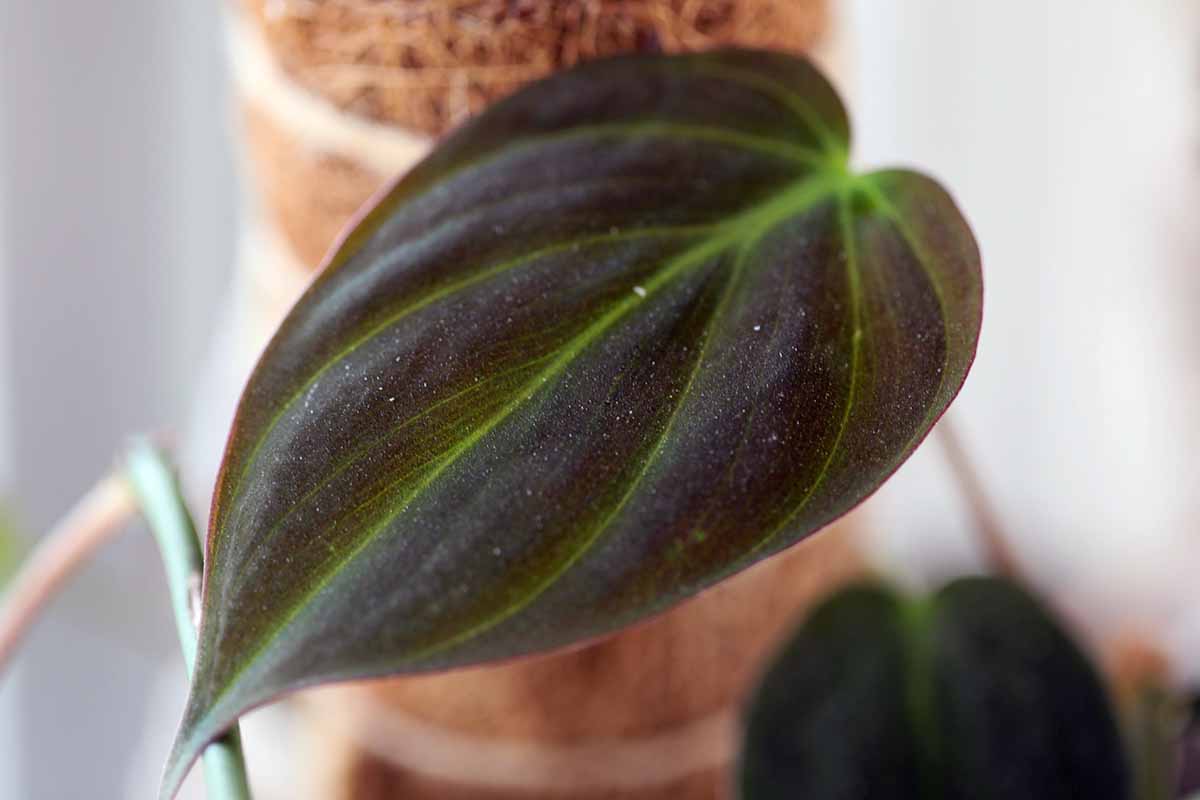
(338, 96)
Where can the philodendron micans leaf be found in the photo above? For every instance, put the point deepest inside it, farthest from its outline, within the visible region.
(624, 334)
(972, 694)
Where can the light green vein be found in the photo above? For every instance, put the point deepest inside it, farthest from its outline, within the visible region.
(922, 258)
(358, 454)
(763, 145)
(751, 224)
(653, 127)
(916, 633)
(730, 471)
(745, 247)
(745, 244)
(854, 285)
(906, 232)
(592, 538)
(432, 298)
(833, 143)
(677, 266)
(656, 128)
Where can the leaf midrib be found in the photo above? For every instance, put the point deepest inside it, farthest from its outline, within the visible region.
(834, 145)
(854, 286)
(916, 625)
(802, 196)
(866, 184)
(833, 156)
(650, 128)
(745, 247)
(357, 455)
(654, 454)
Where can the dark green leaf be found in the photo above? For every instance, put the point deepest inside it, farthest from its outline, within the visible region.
(975, 694)
(1188, 753)
(1154, 721)
(626, 333)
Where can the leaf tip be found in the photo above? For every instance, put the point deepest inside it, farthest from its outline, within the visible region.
(190, 741)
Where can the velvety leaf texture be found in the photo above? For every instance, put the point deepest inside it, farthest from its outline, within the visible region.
(975, 694)
(626, 333)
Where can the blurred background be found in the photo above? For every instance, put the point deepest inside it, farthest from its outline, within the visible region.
(1068, 132)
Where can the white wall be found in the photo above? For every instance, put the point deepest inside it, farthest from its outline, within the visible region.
(958, 90)
(118, 211)
(1068, 132)
(6, 446)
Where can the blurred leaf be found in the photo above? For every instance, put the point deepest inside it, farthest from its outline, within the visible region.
(626, 333)
(1188, 753)
(1154, 721)
(973, 693)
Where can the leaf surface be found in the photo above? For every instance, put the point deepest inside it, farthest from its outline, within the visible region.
(624, 334)
(974, 693)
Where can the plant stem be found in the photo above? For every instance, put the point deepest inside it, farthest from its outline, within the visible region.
(96, 518)
(996, 550)
(158, 492)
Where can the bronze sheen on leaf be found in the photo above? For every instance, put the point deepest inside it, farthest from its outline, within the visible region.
(626, 333)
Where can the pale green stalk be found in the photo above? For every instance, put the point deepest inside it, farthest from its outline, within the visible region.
(161, 502)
